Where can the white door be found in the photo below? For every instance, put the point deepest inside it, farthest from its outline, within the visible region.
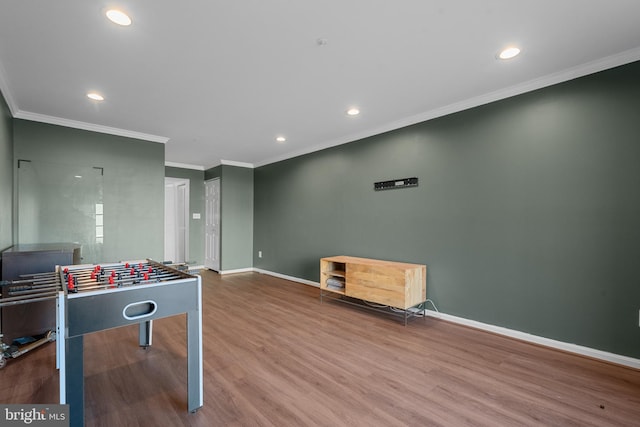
(176, 220)
(212, 225)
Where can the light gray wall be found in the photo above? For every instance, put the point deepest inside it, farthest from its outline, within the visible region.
(133, 182)
(526, 214)
(196, 205)
(6, 175)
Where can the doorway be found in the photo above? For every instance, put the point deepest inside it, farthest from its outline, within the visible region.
(212, 225)
(176, 219)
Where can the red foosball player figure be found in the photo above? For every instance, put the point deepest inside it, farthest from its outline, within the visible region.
(71, 287)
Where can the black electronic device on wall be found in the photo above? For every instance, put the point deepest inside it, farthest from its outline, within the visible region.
(395, 183)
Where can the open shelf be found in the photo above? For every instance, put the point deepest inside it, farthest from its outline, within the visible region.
(333, 276)
(335, 273)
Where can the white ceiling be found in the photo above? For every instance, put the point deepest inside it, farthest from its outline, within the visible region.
(217, 81)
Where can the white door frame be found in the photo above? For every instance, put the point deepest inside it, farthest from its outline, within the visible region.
(176, 219)
(212, 226)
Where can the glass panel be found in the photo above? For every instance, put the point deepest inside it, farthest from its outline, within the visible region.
(61, 204)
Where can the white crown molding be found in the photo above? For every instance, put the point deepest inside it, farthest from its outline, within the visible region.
(184, 166)
(89, 126)
(239, 164)
(6, 93)
(612, 61)
(19, 114)
(549, 80)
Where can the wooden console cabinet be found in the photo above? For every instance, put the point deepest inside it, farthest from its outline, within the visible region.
(394, 284)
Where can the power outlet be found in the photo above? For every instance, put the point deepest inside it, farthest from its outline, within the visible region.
(259, 254)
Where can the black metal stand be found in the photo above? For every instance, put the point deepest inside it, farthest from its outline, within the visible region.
(405, 314)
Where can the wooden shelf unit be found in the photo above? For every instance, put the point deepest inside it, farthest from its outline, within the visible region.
(395, 284)
(332, 270)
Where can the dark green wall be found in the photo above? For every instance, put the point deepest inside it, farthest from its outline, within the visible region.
(236, 215)
(212, 173)
(526, 214)
(133, 182)
(6, 175)
(196, 205)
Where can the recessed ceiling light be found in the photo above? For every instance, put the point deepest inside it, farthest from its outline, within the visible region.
(281, 139)
(509, 53)
(353, 111)
(118, 17)
(95, 96)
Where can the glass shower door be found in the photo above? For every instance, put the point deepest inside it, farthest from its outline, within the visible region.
(61, 203)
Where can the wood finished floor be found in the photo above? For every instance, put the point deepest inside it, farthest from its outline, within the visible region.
(275, 356)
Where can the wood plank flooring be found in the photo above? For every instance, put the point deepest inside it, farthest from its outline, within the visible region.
(275, 356)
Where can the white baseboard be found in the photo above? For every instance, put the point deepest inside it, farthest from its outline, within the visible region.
(221, 272)
(523, 336)
(238, 270)
(535, 339)
(284, 276)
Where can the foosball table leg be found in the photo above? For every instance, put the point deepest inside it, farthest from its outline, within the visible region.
(74, 379)
(194, 355)
(145, 334)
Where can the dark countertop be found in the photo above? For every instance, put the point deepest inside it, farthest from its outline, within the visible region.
(41, 247)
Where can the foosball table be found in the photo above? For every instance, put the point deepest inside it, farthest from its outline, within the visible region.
(92, 298)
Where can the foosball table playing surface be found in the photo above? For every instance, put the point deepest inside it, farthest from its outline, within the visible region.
(100, 297)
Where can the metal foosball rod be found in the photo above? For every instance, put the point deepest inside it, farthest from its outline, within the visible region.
(87, 270)
(34, 283)
(37, 276)
(125, 274)
(98, 271)
(108, 286)
(94, 272)
(127, 279)
(149, 266)
(74, 285)
(73, 277)
(28, 285)
(5, 302)
(123, 266)
(95, 277)
(52, 277)
(18, 292)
